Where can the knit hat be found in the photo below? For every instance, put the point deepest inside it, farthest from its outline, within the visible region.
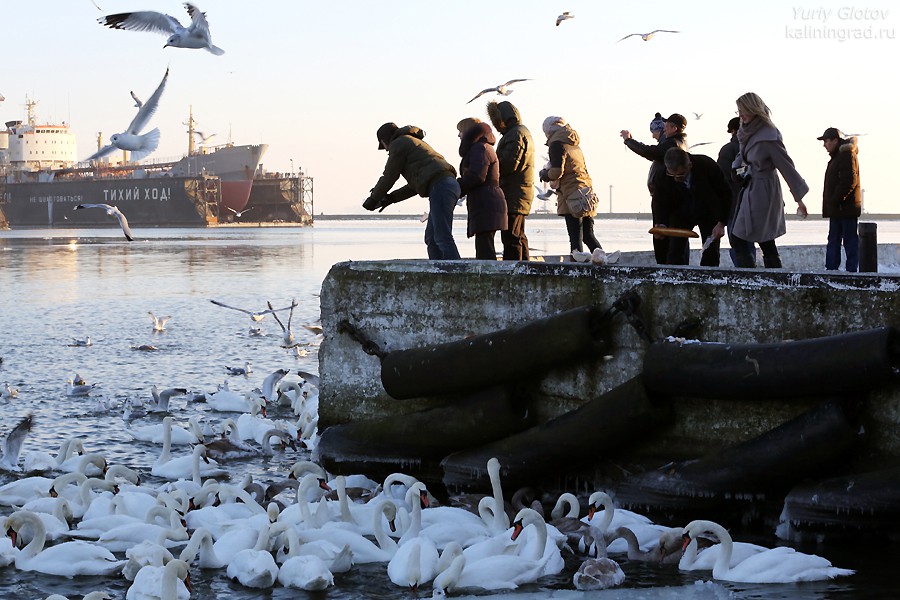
(658, 123)
(385, 132)
(551, 124)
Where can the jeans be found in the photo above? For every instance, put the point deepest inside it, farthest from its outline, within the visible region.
(515, 244)
(581, 229)
(842, 230)
(442, 199)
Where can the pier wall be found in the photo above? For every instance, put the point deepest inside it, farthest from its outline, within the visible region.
(408, 304)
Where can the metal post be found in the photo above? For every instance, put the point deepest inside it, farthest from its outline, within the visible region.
(868, 248)
(610, 199)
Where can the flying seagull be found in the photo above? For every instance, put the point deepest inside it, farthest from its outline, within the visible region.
(287, 333)
(203, 138)
(195, 35)
(159, 323)
(500, 89)
(11, 446)
(698, 144)
(238, 213)
(137, 101)
(255, 316)
(646, 36)
(131, 139)
(543, 194)
(698, 115)
(563, 17)
(112, 211)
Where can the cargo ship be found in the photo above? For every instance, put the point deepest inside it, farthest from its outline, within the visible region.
(41, 181)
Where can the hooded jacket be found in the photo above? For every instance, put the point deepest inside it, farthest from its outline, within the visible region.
(479, 181)
(418, 162)
(566, 165)
(842, 196)
(515, 150)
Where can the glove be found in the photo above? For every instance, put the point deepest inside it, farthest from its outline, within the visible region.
(543, 175)
(371, 203)
(387, 201)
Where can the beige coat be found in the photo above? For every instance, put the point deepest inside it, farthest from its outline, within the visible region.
(572, 174)
(760, 213)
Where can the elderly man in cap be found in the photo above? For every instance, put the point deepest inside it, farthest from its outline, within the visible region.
(841, 200)
(669, 133)
(428, 175)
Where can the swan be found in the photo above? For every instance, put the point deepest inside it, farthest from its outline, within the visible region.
(68, 559)
(646, 531)
(774, 565)
(155, 434)
(92, 464)
(161, 583)
(82, 497)
(564, 517)
(255, 567)
(252, 425)
(657, 554)
(500, 521)
(8, 552)
(228, 401)
(299, 511)
(200, 546)
(416, 558)
(598, 574)
(41, 461)
(229, 445)
(57, 518)
(183, 467)
(144, 554)
(121, 538)
(310, 571)
(364, 551)
(20, 491)
(89, 596)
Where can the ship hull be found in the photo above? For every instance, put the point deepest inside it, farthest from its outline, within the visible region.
(235, 167)
(150, 202)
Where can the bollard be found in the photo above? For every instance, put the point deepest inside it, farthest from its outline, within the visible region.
(868, 247)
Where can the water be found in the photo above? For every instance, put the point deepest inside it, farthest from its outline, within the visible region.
(58, 285)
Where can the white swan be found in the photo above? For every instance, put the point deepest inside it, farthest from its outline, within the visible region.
(121, 538)
(415, 561)
(41, 461)
(160, 583)
(200, 546)
(775, 565)
(146, 553)
(228, 401)
(646, 531)
(68, 559)
(308, 571)
(364, 551)
(155, 434)
(184, 467)
(255, 567)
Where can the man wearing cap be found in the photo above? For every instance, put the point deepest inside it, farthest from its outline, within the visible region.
(427, 174)
(669, 133)
(841, 200)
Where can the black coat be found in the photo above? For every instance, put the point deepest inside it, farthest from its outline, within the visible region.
(656, 153)
(707, 201)
(842, 196)
(479, 181)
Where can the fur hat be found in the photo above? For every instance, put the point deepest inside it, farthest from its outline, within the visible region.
(658, 123)
(551, 124)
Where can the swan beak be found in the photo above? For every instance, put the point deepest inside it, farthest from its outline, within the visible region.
(591, 512)
(187, 583)
(686, 539)
(423, 498)
(517, 529)
(324, 485)
(12, 535)
(392, 525)
(52, 493)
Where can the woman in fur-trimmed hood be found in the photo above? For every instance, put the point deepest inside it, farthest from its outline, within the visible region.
(479, 181)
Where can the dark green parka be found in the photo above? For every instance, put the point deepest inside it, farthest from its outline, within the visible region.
(418, 162)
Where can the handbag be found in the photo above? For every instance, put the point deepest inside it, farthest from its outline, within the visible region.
(582, 203)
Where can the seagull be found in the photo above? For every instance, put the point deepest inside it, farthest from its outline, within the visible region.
(255, 316)
(131, 139)
(9, 393)
(203, 138)
(424, 217)
(646, 36)
(500, 89)
(288, 335)
(698, 144)
(563, 17)
(270, 383)
(543, 194)
(145, 348)
(310, 377)
(238, 213)
(81, 343)
(78, 390)
(159, 323)
(112, 211)
(137, 101)
(697, 116)
(161, 399)
(11, 446)
(245, 370)
(315, 328)
(195, 35)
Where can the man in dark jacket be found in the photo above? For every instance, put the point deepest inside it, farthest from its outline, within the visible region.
(727, 154)
(672, 137)
(516, 154)
(428, 175)
(841, 200)
(693, 192)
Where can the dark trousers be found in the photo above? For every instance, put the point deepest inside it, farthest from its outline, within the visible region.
(484, 246)
(745, 253)
(679, 250)
(581, 230)
(842, 231)
(515, 244)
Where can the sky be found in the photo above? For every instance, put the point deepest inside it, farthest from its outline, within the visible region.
(314, 80)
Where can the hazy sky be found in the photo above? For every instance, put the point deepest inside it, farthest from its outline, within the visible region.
(314, 80)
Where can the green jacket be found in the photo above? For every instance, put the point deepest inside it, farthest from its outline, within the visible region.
(419, 164)
(515, 150)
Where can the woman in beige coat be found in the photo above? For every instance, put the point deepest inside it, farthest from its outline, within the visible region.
(760, 212)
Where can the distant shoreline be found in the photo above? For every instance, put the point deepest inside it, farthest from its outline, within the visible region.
(543, 216)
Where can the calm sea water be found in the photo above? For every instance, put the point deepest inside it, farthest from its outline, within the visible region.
(64, 284)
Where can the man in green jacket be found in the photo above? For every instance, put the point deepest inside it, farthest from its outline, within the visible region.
(428, 175)
(515, 151)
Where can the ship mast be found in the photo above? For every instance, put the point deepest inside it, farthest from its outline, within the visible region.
(190, 124)
(29, 107)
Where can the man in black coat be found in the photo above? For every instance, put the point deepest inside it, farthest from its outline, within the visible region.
(841, 200)
(693, 192)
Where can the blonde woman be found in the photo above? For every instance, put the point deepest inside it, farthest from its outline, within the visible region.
(760, 213)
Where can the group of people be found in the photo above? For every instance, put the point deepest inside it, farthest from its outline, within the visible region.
(498, 184)
(739, 193)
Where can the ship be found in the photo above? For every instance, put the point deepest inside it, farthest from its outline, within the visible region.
(41, 181)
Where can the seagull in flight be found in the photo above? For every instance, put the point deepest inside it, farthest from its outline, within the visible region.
(203, 137)
(697, 116)
(159, 323)
(563, 17)
(698, 144)
(131, 139)
(255, 316)
(11, 446)
(646, 36)
(543, 194)
(288, 335)
(137, 101)
(195, 35)
(238, 213)
(112, 211)
(502, 89)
